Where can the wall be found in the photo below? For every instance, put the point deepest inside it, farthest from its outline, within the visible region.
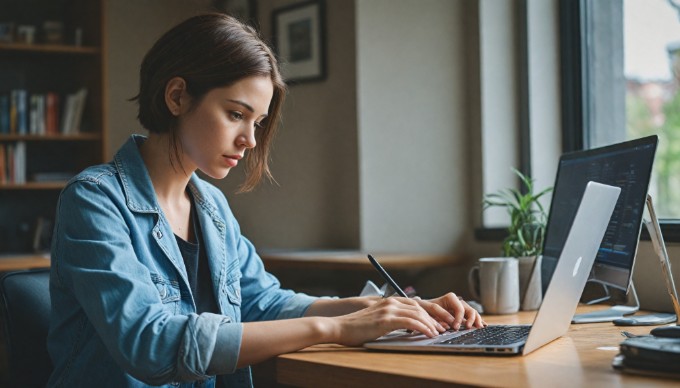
(132, 28)
(315, 158)
(412, 150)
(347, 143)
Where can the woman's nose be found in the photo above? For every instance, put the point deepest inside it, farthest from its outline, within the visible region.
(247, 138)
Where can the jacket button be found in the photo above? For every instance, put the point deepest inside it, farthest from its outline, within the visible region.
(159, 234)
(161, 290)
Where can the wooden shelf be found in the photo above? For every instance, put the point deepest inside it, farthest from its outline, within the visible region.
(33, 186)
(50, 48)
(74, 137)
(27, 261)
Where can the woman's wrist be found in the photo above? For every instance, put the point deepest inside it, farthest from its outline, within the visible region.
(327, 329)
(370, 300)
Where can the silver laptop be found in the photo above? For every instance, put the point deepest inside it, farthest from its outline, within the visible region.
(559, 302)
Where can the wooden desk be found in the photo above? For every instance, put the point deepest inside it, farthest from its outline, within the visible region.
(19, 262)
(580, 358)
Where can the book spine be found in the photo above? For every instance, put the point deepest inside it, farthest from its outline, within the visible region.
(33, 115)
(67, 114)
(52, 114)
(13, 119)
(10, 163)
(41, 114)
(78, 109)
(22, 112)
(4, 113)
(20, 163)
(3, 165)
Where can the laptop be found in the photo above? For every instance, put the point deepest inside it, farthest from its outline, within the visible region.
(559, 302)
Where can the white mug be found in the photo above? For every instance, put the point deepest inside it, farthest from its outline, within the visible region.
(495, 282)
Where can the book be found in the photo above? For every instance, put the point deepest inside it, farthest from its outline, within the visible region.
(33, 115)
(67, 113)
(19, 112)
(81, 98)
(40, 127)
(12, 113)
(52, 113)
(4, 113)
(3, 165)
(9, 155)
(73, 112)
(19, 163)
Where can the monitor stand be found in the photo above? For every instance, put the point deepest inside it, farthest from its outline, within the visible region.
(610, 314)
(617, 312)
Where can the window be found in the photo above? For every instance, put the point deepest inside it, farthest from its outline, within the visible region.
(621, 80)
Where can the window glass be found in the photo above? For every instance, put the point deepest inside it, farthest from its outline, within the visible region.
(651, 56)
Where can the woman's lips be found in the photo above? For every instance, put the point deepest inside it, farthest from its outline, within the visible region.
(232, 160)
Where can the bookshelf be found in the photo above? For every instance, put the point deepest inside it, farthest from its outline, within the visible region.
(55, 48)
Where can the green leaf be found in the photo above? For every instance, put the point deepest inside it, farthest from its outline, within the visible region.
(527, 216)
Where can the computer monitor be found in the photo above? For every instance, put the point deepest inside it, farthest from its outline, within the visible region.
(627, 165)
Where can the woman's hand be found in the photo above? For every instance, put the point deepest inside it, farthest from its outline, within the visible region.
(384, 316)
(452, 312)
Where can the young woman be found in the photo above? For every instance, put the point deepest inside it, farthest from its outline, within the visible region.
(152, 281)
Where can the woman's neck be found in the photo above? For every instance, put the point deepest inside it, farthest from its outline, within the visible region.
(169, 179)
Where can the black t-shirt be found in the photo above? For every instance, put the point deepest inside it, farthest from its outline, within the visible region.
(198, 271)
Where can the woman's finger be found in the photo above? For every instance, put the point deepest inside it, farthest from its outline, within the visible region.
(421, 314)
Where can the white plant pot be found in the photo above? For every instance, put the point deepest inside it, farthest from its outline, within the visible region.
(530, 289)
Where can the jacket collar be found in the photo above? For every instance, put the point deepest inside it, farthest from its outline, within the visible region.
(141, 197)
(139, 192)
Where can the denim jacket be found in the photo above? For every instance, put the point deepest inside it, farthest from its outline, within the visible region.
(122, 311)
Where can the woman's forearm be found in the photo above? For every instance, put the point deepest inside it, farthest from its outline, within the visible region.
(336, 307)
(263, 340)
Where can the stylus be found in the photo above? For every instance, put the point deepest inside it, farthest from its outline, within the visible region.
(387, 276)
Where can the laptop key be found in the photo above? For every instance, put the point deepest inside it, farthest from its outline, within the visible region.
(490, 335)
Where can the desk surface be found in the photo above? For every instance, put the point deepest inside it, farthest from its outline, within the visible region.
(580, 358)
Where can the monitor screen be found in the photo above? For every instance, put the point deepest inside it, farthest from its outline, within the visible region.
(627, 165)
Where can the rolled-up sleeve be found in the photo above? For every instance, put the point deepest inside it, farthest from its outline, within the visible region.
(227, 349)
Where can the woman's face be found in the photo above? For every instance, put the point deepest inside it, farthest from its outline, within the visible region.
(216, 133)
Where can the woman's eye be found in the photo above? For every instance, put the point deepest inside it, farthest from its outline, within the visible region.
(236, 115)
(259, 125)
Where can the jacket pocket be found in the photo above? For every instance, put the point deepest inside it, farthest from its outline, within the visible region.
(234, 292)
(168, 291)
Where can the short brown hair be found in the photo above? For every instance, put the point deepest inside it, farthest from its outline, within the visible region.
(210, 51)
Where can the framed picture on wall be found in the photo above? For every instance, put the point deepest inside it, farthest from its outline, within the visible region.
(299, 39)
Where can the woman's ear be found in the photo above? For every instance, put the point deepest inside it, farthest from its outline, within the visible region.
(175, 95)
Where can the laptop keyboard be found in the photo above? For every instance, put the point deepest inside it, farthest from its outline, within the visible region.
(491, 335)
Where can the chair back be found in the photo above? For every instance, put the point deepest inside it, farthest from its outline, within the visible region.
(25, 316)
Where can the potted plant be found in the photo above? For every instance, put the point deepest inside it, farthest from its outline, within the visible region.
(528, 220)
